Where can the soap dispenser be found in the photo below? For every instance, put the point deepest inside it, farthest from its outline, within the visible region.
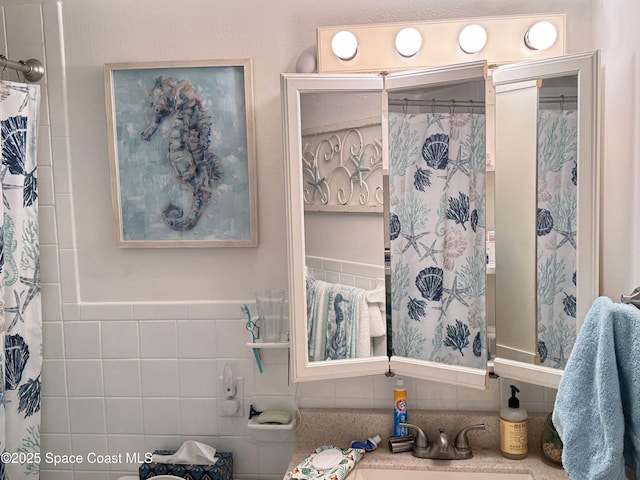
(514, 442)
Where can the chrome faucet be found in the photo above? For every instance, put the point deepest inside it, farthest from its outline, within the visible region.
(442, 448)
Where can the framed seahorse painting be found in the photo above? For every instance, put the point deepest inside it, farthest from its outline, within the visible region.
(182, 151)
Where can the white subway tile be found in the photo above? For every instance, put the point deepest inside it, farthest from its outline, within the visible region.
(246, 460)
(55, 415)
(86, 415)
(54, 379)
(46, 195)
(158, 339)
(59, 144)
(274, 459)
(85, 445)
(198, 416)
(47, 220)
(120, 339)
(122, 378)
(161, 416)
(65, 221)
(56, 444)
(159, 378)
(50, 271)
(128, 447)
(84, 378)
(214, 310)
(82, 339)
(196, 339)
(197, 378)
(51, 302)
(231, 339)
(43, 157)
(52, 342)
(124, 415)
(69, 275)
(159, 311)
(106, 311)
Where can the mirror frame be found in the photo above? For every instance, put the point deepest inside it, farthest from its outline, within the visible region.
(292, 86)
(586, 67)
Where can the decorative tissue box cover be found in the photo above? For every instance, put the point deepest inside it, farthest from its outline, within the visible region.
(221, 470)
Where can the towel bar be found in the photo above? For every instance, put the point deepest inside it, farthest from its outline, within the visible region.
(633, 298)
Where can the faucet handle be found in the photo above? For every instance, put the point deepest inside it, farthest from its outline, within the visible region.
(462, 442)
(421, 440)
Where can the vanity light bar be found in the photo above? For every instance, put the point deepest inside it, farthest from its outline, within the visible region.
(401, 46)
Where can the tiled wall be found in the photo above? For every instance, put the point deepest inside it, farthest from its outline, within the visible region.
(133, 377)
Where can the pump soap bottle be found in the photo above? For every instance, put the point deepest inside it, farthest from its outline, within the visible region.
(513, 428)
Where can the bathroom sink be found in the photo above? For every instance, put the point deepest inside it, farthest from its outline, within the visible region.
(398, 474)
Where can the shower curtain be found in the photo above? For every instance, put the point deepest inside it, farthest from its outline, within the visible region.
(21, 315)
(437, 228)
(556, 230)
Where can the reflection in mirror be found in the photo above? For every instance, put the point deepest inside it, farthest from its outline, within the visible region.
(437, 223)
(341, 141)
(556, 225)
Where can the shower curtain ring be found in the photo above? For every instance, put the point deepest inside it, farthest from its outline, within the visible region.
(471, 107)
(405, 106)
(433, 106)
(452, 108)
(561, 102)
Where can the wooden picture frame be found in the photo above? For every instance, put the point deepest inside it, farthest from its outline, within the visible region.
(182, 153)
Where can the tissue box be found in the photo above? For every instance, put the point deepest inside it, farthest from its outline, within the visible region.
(221, 470)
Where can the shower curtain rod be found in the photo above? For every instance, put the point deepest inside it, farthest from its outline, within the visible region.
(470, 103)
(435, 103)
(32, 69)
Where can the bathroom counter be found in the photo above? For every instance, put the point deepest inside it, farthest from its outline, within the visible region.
(338, 427)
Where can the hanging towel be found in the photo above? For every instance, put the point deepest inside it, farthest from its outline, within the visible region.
(378, 327)
(338, 322)
(597, 408)
(363, 330)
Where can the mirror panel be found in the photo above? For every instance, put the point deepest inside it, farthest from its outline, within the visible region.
(437, 221)
(330, 144)
(559, 207)
(556, 219)
(343, 224)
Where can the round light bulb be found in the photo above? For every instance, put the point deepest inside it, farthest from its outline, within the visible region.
(541, 36)
(408, 42)
(344, 45)
(472, 39)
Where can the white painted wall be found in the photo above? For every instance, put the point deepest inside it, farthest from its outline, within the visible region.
(618, 37)
(132, 354)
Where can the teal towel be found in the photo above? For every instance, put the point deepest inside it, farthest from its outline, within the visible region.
(597, 408)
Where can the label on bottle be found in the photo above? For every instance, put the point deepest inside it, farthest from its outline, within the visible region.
(513, 437)
(400, 413)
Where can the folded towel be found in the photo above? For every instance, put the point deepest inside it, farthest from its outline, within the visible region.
(190, 453)
(597, 411)
(327, 463)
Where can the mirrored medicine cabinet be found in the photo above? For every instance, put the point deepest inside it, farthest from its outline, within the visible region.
(410, 237)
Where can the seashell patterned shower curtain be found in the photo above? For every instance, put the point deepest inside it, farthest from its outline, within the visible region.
(556, 224)
(437, 227)
(21, 312)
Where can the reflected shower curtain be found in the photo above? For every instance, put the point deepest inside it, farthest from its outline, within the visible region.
(556, 230)
(21, 319)
(437, 227)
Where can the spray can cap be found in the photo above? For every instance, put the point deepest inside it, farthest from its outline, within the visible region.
(400, 382)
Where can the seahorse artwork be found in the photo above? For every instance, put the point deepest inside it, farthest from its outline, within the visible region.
(195, 164)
